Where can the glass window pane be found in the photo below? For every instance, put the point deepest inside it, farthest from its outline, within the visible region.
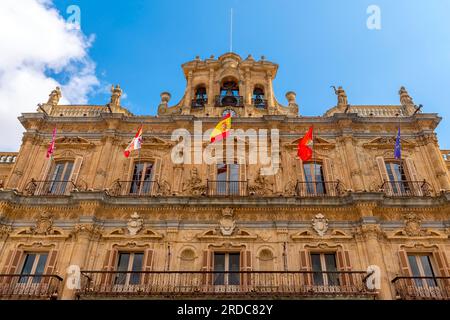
(317, 266)
(27, 267)
(124, 259)
(137, 266)
(221, 172)
(330, 263)
(234, 265)
(415, 270)
(40, 268)
(219, 265)
(137, 174)
(428, 270)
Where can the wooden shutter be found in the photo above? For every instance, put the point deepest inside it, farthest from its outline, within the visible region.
(305, 265)
(109, 264)
(404, 266)
(76, 169)
(148, 266)
(156, 176)
(207, 266)
(328, 177)
(11, 264)
(51, 265)
(46, 169)
(383, 174)
(413, 176)
(242, 177)
(344, 265)
(442, 263)
(246, 265)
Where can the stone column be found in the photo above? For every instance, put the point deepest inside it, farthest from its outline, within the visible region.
(270, 100)
(18, 168)
(355, 171)
(247, 88)
(211, 91)
(187, 102)
(103, 164)
(83, 234)
(439, 166)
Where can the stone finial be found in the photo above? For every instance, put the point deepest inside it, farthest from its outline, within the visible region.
(405, 98)
(341, 95)
(291, 97)
(165, 97)
(250, 57)
(54, 97)
(116, 93)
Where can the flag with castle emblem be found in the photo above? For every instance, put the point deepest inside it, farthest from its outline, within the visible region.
(304, 150)
(51, 147)
(135, 144)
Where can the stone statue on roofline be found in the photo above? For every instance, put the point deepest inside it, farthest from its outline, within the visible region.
(54, 97)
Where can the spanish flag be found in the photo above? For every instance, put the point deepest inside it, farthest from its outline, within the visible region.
(135, 144)
(222, 130)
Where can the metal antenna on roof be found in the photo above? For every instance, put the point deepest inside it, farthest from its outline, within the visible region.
(231, 31)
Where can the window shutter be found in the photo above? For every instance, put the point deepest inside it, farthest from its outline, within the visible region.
(305, 265)
(442, 263)
(207, 265)
(156, 176)
(383, 174)
(344, 265)
(148, 266)
(11, 264)
(246, 265)
(328, 177)
(404, 265)
(109, 264)
(76, 169)
(413, 176)
(44, 175)
(51, 265)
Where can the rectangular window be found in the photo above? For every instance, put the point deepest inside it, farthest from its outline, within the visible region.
(60, 177)
(227, 179)
(228, 264)
(314, 178)
(324, 268)
(34, 264)
(397, 178)
(141, 183)
(128, 265)
(421, 266)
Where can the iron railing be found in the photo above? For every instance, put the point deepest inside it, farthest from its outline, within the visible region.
(134, 188)
(422, 288)
(22, 286)
(260, 103)
(229, 101)
(208, 283)
(49, 188)
(227, 188)
(199, 103)
(320, 189)
(407, 188)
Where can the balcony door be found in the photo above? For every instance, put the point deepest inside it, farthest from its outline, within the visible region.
(34, 264)
(225, 264)
(321, 264)
(59, 178)
(227, 179)
(142, 180)
(314, 179)
(128, 265)
(397, 178)
(421, 267)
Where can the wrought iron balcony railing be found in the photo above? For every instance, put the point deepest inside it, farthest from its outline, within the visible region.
(16, 286)
(229, 101)
(407, 188)
(260, 103)
(320, 189)
(134, 188)
(422, 288)
(49, 188)
(199, 103)
(243, 283)
(227, 188)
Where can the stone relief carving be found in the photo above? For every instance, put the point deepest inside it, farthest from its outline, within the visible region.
(194, 184)
(413, 226)
(227, 224)
(261, 186)
(164, 188)
(135, 224)
(320, 224)
(290, 188)
(44, 224)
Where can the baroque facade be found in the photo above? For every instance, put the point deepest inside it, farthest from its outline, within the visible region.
(90, 223)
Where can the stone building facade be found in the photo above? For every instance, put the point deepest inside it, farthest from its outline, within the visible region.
(90, 223)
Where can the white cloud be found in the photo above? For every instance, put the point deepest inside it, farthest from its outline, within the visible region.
(35, 41)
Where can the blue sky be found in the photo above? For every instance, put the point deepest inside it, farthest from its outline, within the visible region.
(142, 44)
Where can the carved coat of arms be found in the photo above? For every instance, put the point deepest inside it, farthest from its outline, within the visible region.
(320, 224)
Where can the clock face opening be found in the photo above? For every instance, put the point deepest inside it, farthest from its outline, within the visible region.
(229, 111)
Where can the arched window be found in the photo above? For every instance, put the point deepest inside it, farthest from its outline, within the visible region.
(229, 95)
(187, 260)
(258, 98)
(201, 97)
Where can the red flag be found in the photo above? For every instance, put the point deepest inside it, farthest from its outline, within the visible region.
(135, 144)
(304, 150)
(51, 147)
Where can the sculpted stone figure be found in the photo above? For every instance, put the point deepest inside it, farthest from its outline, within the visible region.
(342, 96)
(116, 93)
(54, 97)
(194, 185)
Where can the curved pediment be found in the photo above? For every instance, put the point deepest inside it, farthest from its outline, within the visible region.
(73, 142)
(319, 143)
(388, 143)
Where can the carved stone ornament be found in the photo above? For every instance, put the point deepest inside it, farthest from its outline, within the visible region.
(44, 224)
(227, 224)
(413, 226)
(135, 224)
(320, 224)
(194, 185)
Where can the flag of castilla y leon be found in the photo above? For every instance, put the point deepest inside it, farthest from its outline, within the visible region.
(135, 144)
(222, 130)
(51, 147)
(304, 150)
